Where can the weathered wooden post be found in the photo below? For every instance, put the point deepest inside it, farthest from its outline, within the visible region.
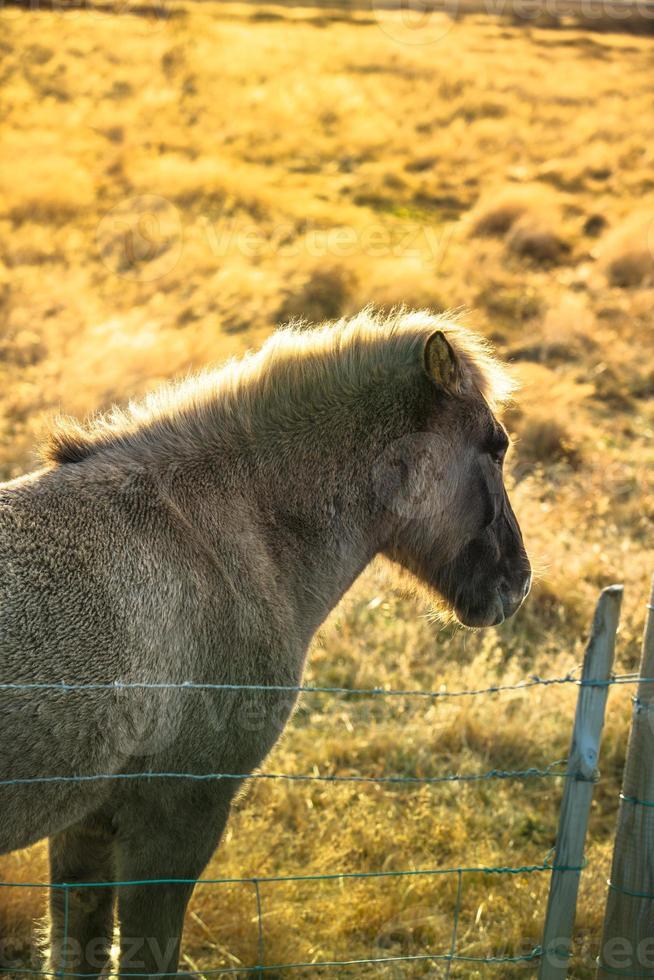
(578, 791)
(627, 947)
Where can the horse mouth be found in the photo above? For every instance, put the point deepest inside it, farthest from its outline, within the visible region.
(478, 616)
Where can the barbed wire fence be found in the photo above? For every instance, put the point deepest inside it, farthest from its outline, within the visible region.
(564, 863)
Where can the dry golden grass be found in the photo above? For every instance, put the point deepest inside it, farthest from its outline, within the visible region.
(173, 188)
(498, 212)
(627, 254)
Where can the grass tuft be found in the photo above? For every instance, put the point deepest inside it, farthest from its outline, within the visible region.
(627, 253)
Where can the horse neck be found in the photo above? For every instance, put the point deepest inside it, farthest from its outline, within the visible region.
(296, 484)
(316, 520)
(292, 513)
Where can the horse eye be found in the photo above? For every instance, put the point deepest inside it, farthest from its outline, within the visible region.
(497, 455)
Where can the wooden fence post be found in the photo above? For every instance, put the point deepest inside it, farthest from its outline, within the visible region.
(578, 791)
(627, 947)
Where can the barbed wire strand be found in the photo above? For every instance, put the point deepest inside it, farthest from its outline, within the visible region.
(523, 685)
(119, 685)
(500, 869)
(532, 773)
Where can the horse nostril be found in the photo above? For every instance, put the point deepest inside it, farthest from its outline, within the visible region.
(512, 597)
(504, 593)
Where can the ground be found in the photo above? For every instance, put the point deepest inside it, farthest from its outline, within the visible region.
(173, 185)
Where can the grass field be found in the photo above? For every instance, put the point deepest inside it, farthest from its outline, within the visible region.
(171, 188)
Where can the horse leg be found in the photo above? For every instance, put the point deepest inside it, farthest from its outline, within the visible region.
(152, 920)
(151, 916)
(81, 918)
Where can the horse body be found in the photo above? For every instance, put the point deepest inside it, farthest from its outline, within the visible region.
(205, 541)
(102, 583)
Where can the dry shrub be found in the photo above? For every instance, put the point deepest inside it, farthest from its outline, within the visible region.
(324, 294)
(206, 180)
(626, 255)
(495, 215)
(37, 54)
(528, 218)
(495, 219)
(613, 383)
(594, 225)
(555, 602)
(534, 237)
(244, 300)
(587, 170)
(508, 303)
(546, 439)
(551, 420)
(22, 349)
(43, 186)
(31, 243)
(566, 334)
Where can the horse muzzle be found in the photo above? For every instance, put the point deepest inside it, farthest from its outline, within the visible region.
(502, 603)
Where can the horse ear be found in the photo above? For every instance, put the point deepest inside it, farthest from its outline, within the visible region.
(441, 362)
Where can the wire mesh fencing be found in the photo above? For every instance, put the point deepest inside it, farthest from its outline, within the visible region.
(263, 886)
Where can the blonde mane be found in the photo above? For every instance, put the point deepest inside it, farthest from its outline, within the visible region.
(298, 373)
